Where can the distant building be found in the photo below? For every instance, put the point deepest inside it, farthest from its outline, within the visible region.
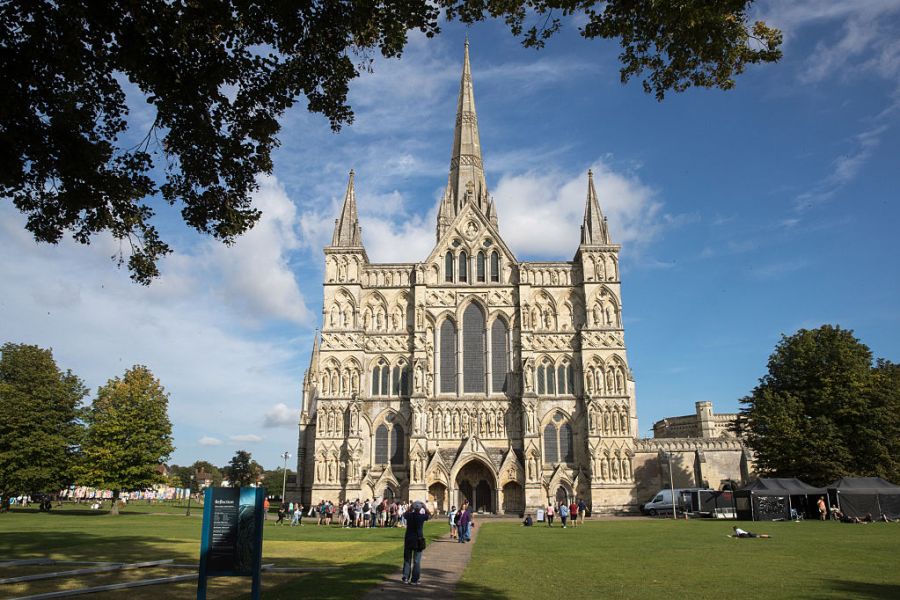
(702, 424)
(473, 375)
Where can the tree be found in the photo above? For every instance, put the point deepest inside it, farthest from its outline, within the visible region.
(39, 427)
(823, 411)
(274, 480)
(219, 76)
(242, 470)
(128, 434)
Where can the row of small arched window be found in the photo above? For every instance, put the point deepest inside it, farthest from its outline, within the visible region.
(385, 385)
(461, 275)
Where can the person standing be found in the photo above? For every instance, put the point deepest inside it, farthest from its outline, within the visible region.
(582, 509)
(573, 514)
(462, 527)
(414, 541)
(550, 515)
(563, 513)
(450, 517)
(266, 509)
(823, 510)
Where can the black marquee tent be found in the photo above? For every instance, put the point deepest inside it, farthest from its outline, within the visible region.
(862, 496)
(772, 499)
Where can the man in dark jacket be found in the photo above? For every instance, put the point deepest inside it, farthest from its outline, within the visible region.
(414, 541)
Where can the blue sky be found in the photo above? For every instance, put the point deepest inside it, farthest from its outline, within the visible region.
(742, 215)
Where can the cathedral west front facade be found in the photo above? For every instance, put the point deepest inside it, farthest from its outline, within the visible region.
(473, 375)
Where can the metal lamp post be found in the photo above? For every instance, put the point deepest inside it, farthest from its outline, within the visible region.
(285, 456)
(672, 487)
(190, 494)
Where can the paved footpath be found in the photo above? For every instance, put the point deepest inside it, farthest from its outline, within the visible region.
(443, 563)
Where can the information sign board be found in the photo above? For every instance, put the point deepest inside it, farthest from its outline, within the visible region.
(231, 542)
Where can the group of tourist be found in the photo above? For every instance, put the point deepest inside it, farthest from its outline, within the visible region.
(357, 513)
(569, 514)
(461, 523)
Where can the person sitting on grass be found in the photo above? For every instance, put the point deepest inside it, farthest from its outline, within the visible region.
(740, 533)
(528, 522)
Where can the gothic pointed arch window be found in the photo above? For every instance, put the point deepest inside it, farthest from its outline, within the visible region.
(376, 381)
(395, 387)
(558, 446)
(448, 357)
(463, 267)
(551, 444)
(381, 444)
(570, 380)
(495, 266)
(390, 443)
(561, 379)
(385, 378)
(396, 450)
(479, 268)
(541, 380)
(448, 267)
(473, 350)
(499, 356)
(404, 381)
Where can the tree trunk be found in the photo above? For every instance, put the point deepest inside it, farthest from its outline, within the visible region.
(114, 511)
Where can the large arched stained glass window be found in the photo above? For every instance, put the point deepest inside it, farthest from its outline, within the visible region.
(396, 445)
(448, 267)
(381, 445)
(448, 357)
(551, 444)
(473, 350)
(499, 359)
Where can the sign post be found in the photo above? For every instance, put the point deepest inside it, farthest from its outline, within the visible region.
(231, 542)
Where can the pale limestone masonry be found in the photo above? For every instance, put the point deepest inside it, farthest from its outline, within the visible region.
(474, 375)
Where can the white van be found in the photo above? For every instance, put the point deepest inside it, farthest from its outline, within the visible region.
(661, 502)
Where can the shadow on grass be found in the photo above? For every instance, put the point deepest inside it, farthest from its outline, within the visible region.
(473, 590)
(89, 547)
(861, 589)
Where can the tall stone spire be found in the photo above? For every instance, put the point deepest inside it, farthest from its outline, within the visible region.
(466, 182)
(347, 231)
(594, 229)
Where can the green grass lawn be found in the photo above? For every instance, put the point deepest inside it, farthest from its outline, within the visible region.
(646, 559)
(362, 557)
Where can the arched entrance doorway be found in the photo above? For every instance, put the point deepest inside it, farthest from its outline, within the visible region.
(513, 498)
(437, 493)
(475, 483)
(563, 494)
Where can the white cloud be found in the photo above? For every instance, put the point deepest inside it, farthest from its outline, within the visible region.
(255, 275)
(280, 415)
(867, 42)
(541, 212)
(186, 327)
(209, 441)
(245, 438)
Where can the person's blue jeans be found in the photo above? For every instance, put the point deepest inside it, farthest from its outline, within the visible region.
(412, 559)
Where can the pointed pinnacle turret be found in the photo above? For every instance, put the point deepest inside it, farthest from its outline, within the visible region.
(466, 182)
(594, 231)
(347, 231)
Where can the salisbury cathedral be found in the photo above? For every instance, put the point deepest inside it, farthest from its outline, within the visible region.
(474, 375)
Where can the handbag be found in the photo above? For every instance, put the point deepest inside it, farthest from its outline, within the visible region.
(420, 544)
